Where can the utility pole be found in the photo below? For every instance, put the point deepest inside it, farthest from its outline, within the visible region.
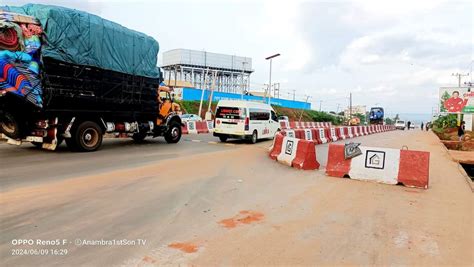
(337, 110)
(242, 83)
(202, 93)
(320, 104)
(294, 94)
(459, 75)
(270, 76)
(208, 113)
(350, 105)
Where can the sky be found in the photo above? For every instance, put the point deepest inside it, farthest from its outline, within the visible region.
(394, 54)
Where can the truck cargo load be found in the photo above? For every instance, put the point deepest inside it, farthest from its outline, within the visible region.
(81, 38)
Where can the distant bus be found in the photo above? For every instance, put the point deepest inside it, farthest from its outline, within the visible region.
(376, 115)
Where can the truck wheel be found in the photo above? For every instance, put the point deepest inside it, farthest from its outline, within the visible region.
(254, 137)
(87, 137)
(9, 126)
(139, 137)
(173, 135)
(223, 138)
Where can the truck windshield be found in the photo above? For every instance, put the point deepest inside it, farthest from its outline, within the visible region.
(230, 113)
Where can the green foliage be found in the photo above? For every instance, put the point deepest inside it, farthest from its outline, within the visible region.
(389, 121)
(447, 121)
(444, 97)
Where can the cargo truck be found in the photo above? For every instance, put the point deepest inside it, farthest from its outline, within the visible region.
(73, 76)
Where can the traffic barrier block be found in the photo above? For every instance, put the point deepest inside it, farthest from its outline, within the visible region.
(210, 126)
(297, 153)
(340, 133)
(348, 132)
(290, 133)
(284, 125)
(201, 127)
(292, 125)
(191, 125)
(322, 136)
(184, 128)
(313, 124)
(332, 134)
(365, 129)
(275, 149)
(384, 165)
(308, 134)
(299, 133)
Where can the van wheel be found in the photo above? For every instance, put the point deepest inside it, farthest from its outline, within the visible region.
(254, 137)
(223, 138)
(87, 137)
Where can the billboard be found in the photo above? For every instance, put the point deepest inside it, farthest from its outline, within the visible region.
(456, 99)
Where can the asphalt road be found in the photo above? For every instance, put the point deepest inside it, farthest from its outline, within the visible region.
(201, 202)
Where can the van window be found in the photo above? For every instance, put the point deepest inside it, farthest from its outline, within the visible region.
(274, 116)
(259, 114)
(231, 113)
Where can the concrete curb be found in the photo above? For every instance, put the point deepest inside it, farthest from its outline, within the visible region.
(461, 169)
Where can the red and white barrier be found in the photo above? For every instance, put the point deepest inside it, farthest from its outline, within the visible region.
(332, 134)
(297, 153)
(191, 125)
(384, 165)
(210, 126)
(284, 125)
(340, 133)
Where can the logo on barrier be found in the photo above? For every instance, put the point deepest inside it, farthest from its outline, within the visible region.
(352, 150)
(375, 159)
(291, 134)
(321, 132)
(289, 147)
(191, 126)
(308, 135)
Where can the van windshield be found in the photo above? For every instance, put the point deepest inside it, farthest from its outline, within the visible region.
(230, 113)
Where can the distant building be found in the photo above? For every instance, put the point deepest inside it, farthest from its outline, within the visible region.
(355, 110)
(197, 68)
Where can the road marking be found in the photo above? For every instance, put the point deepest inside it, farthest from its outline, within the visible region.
(197, 141)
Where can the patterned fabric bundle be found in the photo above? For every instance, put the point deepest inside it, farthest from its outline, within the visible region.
(31, 29)
(11, 80)
(8, 39)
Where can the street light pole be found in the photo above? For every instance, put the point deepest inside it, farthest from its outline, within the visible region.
(270, 76)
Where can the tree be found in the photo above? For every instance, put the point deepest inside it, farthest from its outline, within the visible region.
(389, 121)
(444, 97)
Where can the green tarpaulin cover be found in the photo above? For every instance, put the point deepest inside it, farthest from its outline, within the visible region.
(81, 38)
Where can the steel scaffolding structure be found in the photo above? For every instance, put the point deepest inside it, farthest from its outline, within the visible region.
(197, 68)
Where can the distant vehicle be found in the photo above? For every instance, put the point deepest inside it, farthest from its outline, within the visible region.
(190, 117)
(400, 125)
(245, 120)
(283, 118)
(376, 115)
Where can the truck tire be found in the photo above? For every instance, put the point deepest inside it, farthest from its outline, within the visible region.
(87, 137)
(173, 135)
(9, 126)
(223, 138)
(139, 137)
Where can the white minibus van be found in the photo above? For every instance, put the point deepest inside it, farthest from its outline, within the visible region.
(245, 120)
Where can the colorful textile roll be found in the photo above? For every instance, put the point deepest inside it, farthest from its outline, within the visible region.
(17, 79)
(8, 39)
(11, 80)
